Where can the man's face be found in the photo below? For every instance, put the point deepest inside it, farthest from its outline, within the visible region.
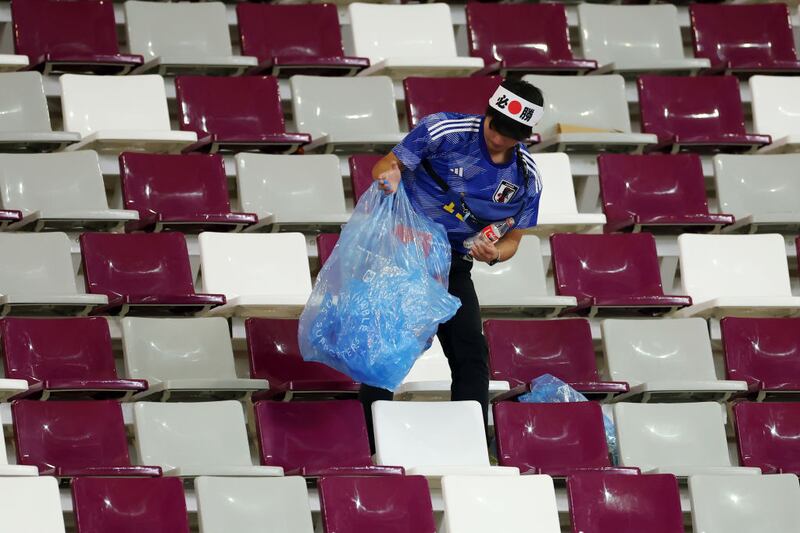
(495, 141)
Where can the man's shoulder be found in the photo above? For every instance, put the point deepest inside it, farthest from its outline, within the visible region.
(444, 123)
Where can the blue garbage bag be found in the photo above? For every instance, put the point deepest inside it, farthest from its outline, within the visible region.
(549, 389)
(381, 295)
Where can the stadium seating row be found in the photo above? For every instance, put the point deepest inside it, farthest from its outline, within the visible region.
(472, 504)
(172, 359)
(189, 193)
(700, 114)
(179, 38)
(241, 275)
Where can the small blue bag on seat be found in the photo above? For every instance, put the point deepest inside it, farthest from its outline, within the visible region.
(382, 293)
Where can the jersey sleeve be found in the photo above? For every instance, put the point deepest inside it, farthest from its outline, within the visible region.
(418, 145)
(530, 212)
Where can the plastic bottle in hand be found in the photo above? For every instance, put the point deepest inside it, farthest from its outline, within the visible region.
(491, 233)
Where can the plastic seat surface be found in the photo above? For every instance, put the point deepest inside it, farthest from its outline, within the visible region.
(326, 242)
(775, 111)
(767, 436)
(31, 504)
(426, 96)
(558, 209)
(361, 173)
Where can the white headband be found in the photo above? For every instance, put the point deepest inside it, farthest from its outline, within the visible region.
(513, 106)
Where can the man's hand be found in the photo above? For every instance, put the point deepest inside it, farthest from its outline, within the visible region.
(389, 180)
(484, 251)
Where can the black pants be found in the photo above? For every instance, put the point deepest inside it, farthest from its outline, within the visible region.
(463, 344)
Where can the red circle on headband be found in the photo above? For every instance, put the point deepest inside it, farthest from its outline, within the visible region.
(514, 107)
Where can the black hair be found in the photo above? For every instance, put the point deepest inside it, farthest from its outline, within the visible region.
(507, 126)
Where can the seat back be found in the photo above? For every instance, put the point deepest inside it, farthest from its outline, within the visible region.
(558, 191)
(24, 103)
(516, 33)
(326, 242)
(612, 265)
(70, 348)
(247, 504)
(762, 351)
(289, 186)
(158, 349)
(473, 504)
(78, 27)
(31, 504)
(512, 282)
(607, 503)
(690, 106)
(383, 31)
(713, 266)
(724, 504)
(411, 434)
(351, 106)
(39, 263)
(400, 504)
(136, 264)
(80, 434)
(66, 181)
(550, 437)
(742, 34)
(175, 185)
(432, 365)
(630, 35)
(361, 173)
(565, 102)
(776, 111)
(762, 429)
(274, 30)
(314, 435)
(180, 30)
(425, 96)
(174, 435)
(275, 355)
(521, 350)
(651, 186)
(671, 435)
(271, 265)
(242, 106)
(757, 184)
(107, 103)
(155, 505)
(639, 351)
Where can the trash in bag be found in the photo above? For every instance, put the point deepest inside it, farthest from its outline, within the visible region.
(382, 293)
(549, 389)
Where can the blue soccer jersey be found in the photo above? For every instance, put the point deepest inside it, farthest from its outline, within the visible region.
(454, 145)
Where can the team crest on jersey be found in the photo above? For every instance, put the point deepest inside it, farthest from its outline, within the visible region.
(505, 192)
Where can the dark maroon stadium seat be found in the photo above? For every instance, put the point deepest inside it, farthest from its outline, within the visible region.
(665, 193)
(73, 36)
(148, 273)
(613, 274)
(235, 114)
(8, 216)
(396, 504)
(552, 438)
(275, 356)
(695, 113)
(155, 505)
(361, 172)
(764, 352)
(521, 350)
(609, 503)
(425, 96)
(295, 39)
(745, 38)
(64, 357)
(522, 38)
(767, 434)
(185, 192)
(315, 439)
(326, 242)
(73, 439)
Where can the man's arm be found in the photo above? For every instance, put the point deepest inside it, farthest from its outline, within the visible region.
(506, 247)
